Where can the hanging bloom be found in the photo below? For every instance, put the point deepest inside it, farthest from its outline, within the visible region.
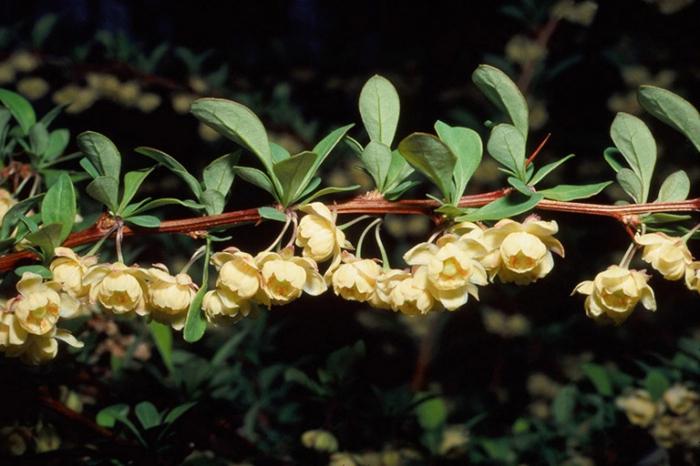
(286, 276)
(169, 297)
(692, 276)
(679, 399)
(521, 252)
(452, 267)
(318, 235)
(38, 349)
(615, 292)
(117, 287)
(238, 273)
(385, 282)
(639, 407)
(668, 255)
(11, 331)
(411, 296)
(39, 304)
(222, 307)
(6, 202)
(69, 269)
(356, 279)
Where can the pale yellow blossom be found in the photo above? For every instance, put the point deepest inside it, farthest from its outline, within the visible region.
(148, 102)
(679, 399)
(452, 266)
(356, 279)
(7, 73)
(320, 440)
(11, 331)
(318, 235)
(385, 283)
(117, 287)
(410, 295)
(668, 255)
(614, 293)
(6, 202)
(33, 88)
(223, 307)
(40, 304)
(38, 349)
(692, 276)
(639, 407)
(239, 274)
(285, 276)
(169, 297)
(181, 102)
(69, 269)
(24, 61)
(521, 252)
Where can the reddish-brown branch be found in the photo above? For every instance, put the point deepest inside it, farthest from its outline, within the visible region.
(365, 204)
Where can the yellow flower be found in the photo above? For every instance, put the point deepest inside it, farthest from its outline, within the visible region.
(692, 276)
(385, 283)
(521, 252)
(318, 235)
(39, 304)
(148, 102)
(668, 255)
(24, 61)
(38, 349)
(11, 331)
(679, 399)
(69, 269)
(223, 307)
(452, 267)
(7, 73)
(181, 102)
(356, 279)
(117, 287)
(614, 293)
(286, 276)
(639, 407)
(410, 295)
(238, 273)
(6, 202)
(169, 297)
(320, 440)
(33, 88)
(128, 93)
(77, 98)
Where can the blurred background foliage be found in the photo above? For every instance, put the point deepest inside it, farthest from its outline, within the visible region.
(520, 378)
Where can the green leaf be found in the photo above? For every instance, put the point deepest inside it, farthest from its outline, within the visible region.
(292, 173)
(177, 412)
(219, 174)
(37, 269)
(163, 338)
(675, 187)
(399, 170)
(430, 156)
(104, 189)
(133, 209)
(379, 109)
(503, 93)
(278, 152)
(174, 166)
(38, 139)
(20, 108)
(58, 141)
(631, 183)
(145, 221)
(611, 155)
(271, 213)
(47, 238)
(101, 152)
(521, 187)
(377, 159)
(504, 207)
(633, 138)
(258, 178)
(570, 192)
(564, 404)
(432, 413)
(42, 28)
(59, 205)
(147, 415)
(17, 211)
(89, 168)
(326, 145)
(330, 190)
(507, 145)
(108, 416)
(656, 384)
(547, 169)
(236, 122)
(466, 145)
(673, 110)
(599, 377)
(132, 183)
(400, 189)
(195, 325)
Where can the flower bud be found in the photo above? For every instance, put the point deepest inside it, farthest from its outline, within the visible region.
(38, 305)
(320, 440)
(222, 307)
(614, 293)
(668, 255)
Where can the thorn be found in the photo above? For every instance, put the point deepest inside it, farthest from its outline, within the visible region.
(537, 151)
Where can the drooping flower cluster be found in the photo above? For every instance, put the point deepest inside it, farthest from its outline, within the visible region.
(673, 420)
